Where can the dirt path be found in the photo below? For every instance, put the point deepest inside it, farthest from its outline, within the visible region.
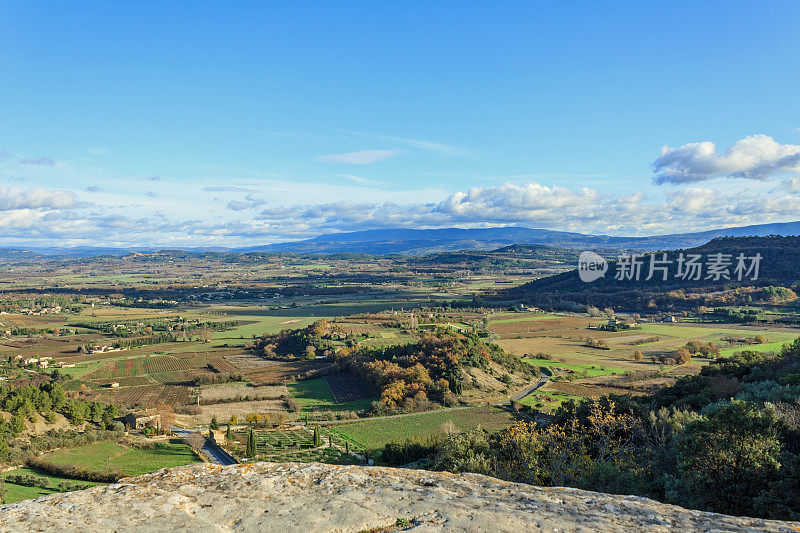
(530, 389)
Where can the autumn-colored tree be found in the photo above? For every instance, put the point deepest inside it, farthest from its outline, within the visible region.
(558, 454)
(637, 355)
(682, 356)
(167, 415)
(394, 394)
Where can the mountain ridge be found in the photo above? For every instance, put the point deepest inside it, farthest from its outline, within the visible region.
(404, 241)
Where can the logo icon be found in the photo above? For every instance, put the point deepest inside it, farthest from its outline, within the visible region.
(591, 266)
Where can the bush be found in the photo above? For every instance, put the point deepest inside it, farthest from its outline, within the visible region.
(291, 404)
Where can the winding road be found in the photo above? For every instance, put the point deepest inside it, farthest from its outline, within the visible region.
(531, 388)
(214, 454)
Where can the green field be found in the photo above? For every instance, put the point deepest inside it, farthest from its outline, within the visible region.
(264, 324)
(591, 370)
(108, 455)
(374, 434)
(15, 493)
(766, 347)
(314, 395)
(554, 399)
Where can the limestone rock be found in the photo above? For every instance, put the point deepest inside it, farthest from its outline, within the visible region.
(316, 497)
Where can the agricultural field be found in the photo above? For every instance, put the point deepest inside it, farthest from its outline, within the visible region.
(102, 456)
(556, 346)
(128, 333)
(295, 445)
(16, 492)
(345, 388)
(374, 434)
(129, 460)
(315, 395)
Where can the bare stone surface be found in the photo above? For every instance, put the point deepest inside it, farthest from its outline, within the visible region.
(317, 497)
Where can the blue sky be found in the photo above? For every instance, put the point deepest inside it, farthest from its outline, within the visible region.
(192, 124)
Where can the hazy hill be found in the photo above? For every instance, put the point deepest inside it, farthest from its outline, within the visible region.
(416, 242)
(780, 266)
(426, 241)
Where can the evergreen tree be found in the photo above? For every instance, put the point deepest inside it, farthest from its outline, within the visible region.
(214, 424)
(229, 434)
(317, 437)
(251, 445)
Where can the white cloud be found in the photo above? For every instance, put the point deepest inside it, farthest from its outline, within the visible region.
(756, 157)
(36, 198)
(362, 157)
(518, 203)
(250, 202)
(44, 216)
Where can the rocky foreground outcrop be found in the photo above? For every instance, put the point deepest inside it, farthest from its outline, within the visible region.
(317, 497)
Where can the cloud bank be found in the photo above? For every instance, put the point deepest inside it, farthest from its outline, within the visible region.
(756, 157)
(268, 210)
(12, 198)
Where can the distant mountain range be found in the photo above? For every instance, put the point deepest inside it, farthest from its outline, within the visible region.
(423, 241)
(417, 242)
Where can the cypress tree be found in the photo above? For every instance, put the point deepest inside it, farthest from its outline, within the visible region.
(251, 445)
(317, 437)
(214, 424)
(229, 433)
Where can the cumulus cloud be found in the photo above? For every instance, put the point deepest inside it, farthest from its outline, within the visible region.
(362, 157)
(43, 161)
(539, 206)
(531, 205)
(517, 203)
(250, 202)
(12, 198)
(756, 157)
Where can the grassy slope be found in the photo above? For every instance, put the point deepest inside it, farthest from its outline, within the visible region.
(15, 493)
(314, 395)
(373, 434)
(591, 370)
(108, 455)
